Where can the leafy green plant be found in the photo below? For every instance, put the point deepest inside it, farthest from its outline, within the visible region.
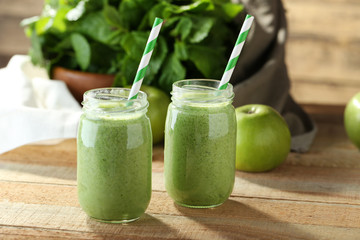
(109, 36)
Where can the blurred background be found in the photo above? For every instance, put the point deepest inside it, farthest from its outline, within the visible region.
(322, 53)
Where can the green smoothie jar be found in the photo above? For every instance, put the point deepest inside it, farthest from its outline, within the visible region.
(200, 144)
(114, 155)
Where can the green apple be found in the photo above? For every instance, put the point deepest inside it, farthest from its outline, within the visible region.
(352, 119)
(158, 105)
(262, 140)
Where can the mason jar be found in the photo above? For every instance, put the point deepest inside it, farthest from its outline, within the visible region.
(200, 144)
(114, 155)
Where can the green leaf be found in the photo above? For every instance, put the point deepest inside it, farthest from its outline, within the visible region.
(162, 10)
(197, 6)
(131, 13)
(171, 21)
(152, 10)
(183, 28)
(59, 21)
(207, 61)
(146, 4)
(109, 36)
(77, 12)
(82, 50)
(134, 44)
(93, 5)
(221, 36)
(113, 17)
(201, 28)
(232, 9)
(63, 45)
(43, 24)
(102, 57)
(96, 27)
(180, 50)
(172, 71)
(128, 70)
(52, 20)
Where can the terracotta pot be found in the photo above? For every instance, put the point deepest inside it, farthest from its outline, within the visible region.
(79, 82)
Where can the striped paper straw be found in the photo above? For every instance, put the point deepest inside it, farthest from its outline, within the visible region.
(236, 52)
(140, 74)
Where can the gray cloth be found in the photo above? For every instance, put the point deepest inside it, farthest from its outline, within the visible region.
(261, 77)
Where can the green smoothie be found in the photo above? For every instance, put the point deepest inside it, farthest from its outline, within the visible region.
(114, 166)
(200, 143)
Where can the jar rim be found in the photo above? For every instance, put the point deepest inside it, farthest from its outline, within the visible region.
(113, 100)
(201, 91)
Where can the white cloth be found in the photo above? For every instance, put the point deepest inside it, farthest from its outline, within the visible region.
(33, 107)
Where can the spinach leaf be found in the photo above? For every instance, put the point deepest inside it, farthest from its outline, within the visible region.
(113, 17)
(43, 25)
(95, 26)
(180, 50)
(128, 70)
(102, 57)
(109, 36)
(231, 9)
(197, 6)
(172, 71)
(182, 28)
(131, 13)
(207, 61)
(162, 10)
(201, 28)
(82, 50)
(134, 43)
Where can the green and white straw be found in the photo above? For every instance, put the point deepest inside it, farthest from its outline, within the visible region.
(140, 74)
(236, 52)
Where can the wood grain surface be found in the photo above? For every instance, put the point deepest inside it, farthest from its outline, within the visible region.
(323, 48)
(315, 195)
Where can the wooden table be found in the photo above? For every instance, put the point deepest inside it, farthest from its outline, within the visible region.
(311, 196)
